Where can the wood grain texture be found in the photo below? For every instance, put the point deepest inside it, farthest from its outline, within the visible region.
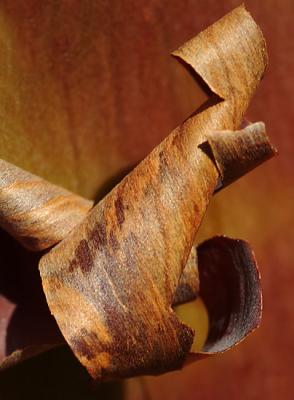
(29, 309)
(147, 225)
(36, 212)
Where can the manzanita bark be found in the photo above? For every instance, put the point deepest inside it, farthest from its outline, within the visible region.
(37, 213)
(113, 278)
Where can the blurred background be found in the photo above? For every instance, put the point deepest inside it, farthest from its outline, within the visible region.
(87, 90)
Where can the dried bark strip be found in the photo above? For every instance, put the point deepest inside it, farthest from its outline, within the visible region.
(236, 153)
(125, 325)
(35, 212)
(230, 287)
(231, 290)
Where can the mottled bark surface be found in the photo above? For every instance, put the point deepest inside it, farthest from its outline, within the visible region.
(265, 360)
(121, 266)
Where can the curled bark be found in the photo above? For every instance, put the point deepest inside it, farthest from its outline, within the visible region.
(231, 290)
(35, 212)
(113, 278)
(121, 266)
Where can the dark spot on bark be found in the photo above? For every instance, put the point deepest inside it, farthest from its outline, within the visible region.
(163, 165)
(73, 265)
(83, 258)
(119, 209)
(80, 346)
(113, 241)
(99, 236)
(91, 336)
(138, 346)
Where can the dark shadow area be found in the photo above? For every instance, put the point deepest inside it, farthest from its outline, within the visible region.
(205, 147)
(55, 374)
(198, 79)
(19, 276)
(31, 322)
(212, 99)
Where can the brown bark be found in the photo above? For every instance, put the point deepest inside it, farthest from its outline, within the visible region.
(120, 267)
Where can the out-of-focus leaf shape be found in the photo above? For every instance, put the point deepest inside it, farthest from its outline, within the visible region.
(194, 313)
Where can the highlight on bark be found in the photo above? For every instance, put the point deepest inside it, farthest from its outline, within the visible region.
(112, 280)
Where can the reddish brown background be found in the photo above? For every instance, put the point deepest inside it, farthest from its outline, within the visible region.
(87, 89)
